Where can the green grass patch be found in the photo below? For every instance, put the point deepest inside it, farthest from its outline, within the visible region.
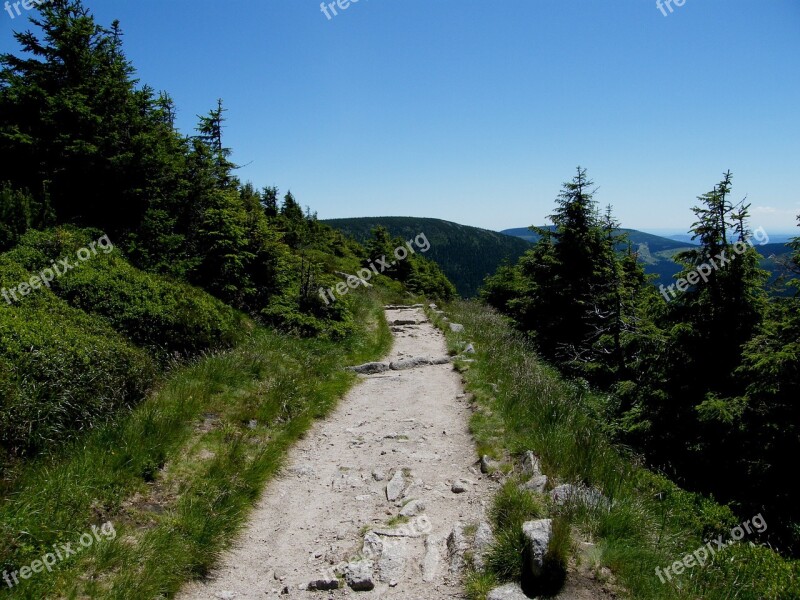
(523, 404)
(179, 473)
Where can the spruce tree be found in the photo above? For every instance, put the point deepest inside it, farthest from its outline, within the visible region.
(74, 127)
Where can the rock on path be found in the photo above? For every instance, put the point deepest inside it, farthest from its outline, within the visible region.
(329, 510)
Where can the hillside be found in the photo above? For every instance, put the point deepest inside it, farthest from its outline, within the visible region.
(656, 252)
(465, 254)
(654, 243)
(468, 254)
(206, 392)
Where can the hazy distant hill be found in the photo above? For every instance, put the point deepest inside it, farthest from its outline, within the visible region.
(468, 254)
(655, 243)
(656, 252)
(465, 254)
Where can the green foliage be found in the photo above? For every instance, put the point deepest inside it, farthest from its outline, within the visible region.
(417, 273)
(703, 385)
(574, 293)
(18, 213)
(73, 127)
(191, 435)
(169, 318)
(61, 371)
(513, 506)
(649, 523)
(466, 255)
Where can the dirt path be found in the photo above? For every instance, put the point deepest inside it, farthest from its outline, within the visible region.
(403, 429)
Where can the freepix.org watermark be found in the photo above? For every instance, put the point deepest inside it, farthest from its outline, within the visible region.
(61, 552)
(326, 8)
(720, 260)
(353, 281)
(703, 553)
(665, 5)
(13, 8)
(50, 273)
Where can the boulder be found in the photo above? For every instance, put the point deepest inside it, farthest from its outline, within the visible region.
(358, 576)
(456, 327)
(430, 563)
(404, 322)
(531, 465)
(392, 564)
(510, 591)
(413, 508)
(457, 545)
(458, 487)
(323, 584)
(537, 540)
(484, 540)
(568, 493)
(488, 465)
(395, 487)
(409, 363)
(373, 546)
(536, 484)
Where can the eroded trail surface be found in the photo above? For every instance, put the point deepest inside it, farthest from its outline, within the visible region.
(398, 434)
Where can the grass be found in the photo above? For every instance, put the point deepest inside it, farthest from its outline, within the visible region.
(396, 521)
(523, 404)
(178, 474)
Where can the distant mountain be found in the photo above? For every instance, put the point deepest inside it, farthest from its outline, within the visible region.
(468, 254)
(683, 237)
(654, 243)
(465, 254)
(657, 252)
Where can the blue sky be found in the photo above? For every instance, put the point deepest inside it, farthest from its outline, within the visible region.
(476, 111)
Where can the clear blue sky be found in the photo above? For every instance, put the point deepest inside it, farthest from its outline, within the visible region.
(476, 111)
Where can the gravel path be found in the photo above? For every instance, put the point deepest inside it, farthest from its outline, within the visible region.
(401, 430)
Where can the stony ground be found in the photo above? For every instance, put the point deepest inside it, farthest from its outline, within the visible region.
(398, 434)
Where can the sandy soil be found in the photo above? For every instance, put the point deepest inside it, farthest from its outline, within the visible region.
(331, 493)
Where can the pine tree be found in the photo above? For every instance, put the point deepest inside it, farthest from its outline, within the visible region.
(73, 125)
(210, 133)
(270, 201)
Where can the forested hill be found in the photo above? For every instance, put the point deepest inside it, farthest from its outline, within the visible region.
(465, 254)
(656, 253)
(655, 243)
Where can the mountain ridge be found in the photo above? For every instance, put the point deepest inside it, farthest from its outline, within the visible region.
(467, 254)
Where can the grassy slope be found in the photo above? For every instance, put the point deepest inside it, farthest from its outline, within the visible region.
(178, 474)
(521, 404)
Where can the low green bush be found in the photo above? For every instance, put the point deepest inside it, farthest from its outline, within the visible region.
(168, 318)
(61, 371)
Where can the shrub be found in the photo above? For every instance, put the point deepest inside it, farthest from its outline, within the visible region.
(61, 371)
(166, 317)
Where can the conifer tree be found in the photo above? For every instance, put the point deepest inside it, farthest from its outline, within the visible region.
(74, 126)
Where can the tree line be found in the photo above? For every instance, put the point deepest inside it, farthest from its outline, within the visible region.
(82, 142)
(704, 385)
